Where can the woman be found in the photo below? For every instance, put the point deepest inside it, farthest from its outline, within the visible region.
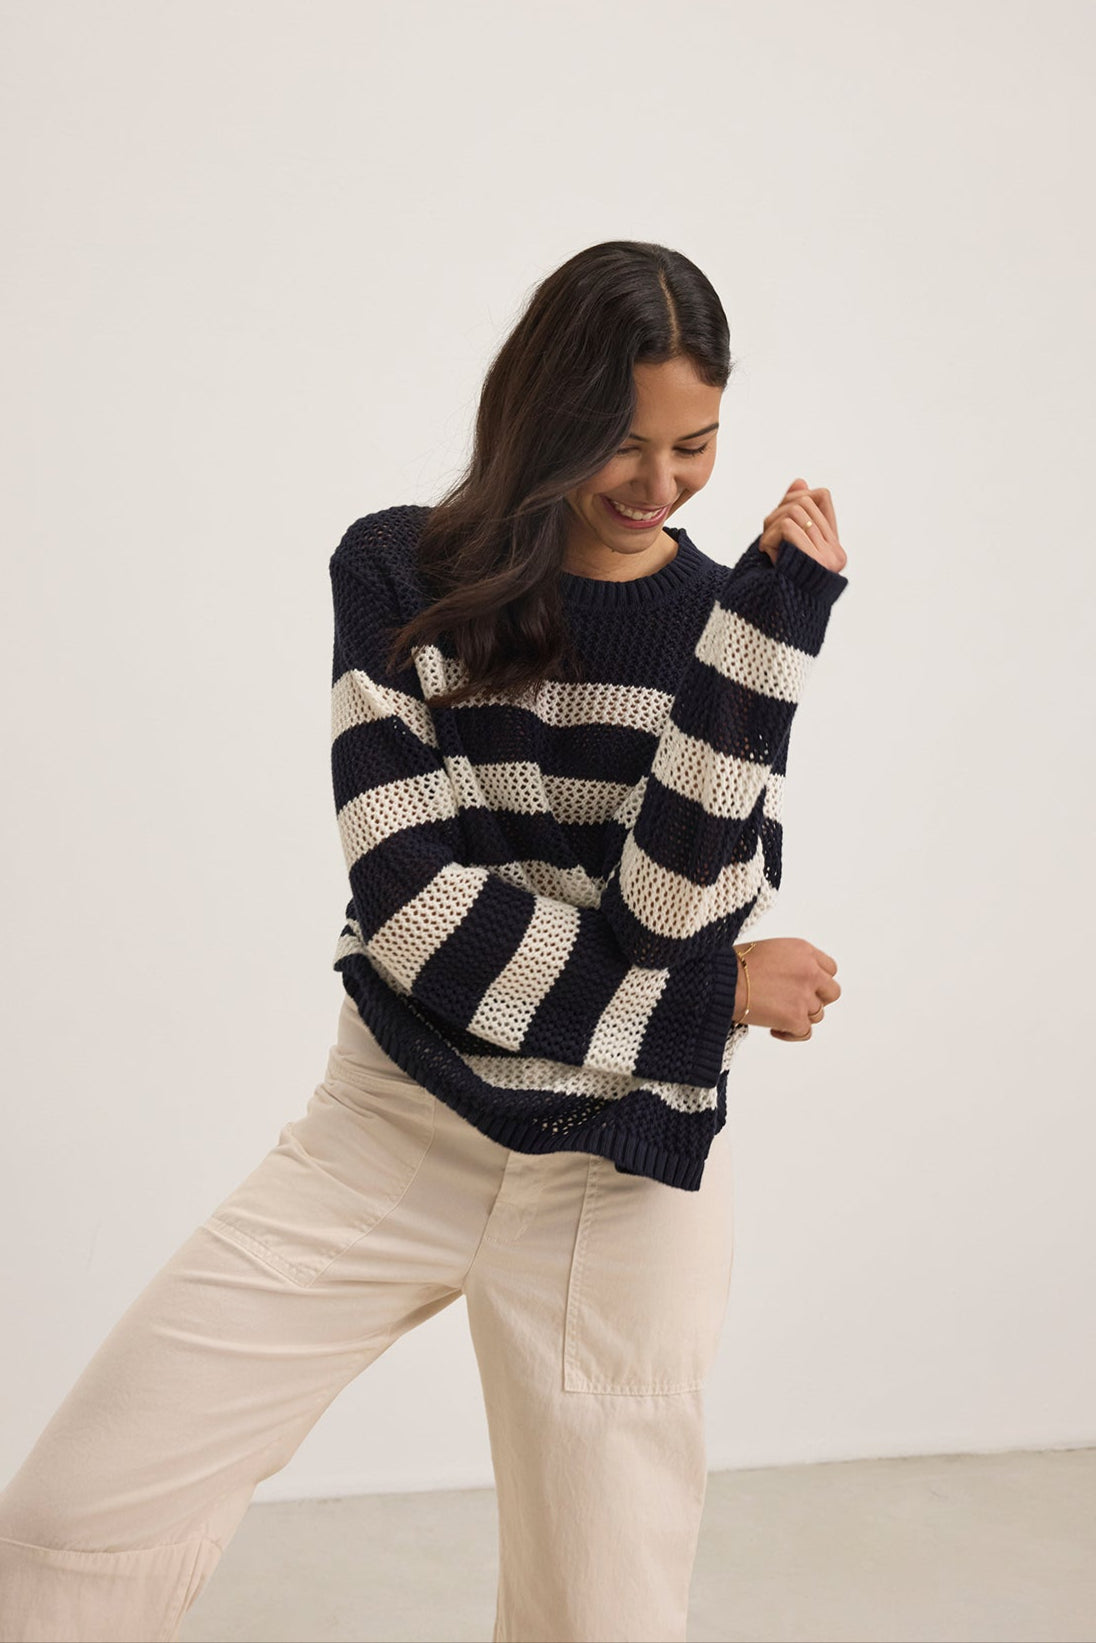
(559, 733)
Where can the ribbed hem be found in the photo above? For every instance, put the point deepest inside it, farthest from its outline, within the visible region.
(825, 584)
(634, 1155)
(712, 1037)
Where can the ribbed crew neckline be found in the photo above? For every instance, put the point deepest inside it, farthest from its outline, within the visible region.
(688, 562)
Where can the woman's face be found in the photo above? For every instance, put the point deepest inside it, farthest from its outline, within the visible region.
(667, 457)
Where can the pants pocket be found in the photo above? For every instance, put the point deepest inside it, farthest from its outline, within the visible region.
(334, 1173)
(649, 1280)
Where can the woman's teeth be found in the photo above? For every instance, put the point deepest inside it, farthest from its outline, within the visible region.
(635, 513)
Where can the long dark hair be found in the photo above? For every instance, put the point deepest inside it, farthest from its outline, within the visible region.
(557, 401)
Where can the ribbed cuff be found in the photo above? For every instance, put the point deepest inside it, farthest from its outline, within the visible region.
(808, 574)
(711, 1040)
(799, 567)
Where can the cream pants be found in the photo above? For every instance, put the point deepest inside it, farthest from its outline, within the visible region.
(595, 1303)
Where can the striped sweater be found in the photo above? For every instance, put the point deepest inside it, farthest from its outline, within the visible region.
(545, 894)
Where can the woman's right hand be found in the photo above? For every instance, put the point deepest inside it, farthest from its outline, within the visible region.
(790, 980)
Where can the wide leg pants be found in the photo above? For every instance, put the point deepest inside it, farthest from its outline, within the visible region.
(595, 1302)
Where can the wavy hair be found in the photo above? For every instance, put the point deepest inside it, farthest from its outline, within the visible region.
(557, 401)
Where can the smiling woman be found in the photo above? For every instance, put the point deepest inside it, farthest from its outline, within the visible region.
(616, 532)
(526, 1104)
(596, 403)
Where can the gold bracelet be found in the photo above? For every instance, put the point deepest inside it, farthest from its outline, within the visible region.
(742, 951)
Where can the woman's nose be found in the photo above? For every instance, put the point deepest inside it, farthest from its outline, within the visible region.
(658, 482)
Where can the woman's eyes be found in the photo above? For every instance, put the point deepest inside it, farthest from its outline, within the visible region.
(697, 450)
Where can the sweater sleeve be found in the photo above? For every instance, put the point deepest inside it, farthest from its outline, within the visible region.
(692, 865)
(521, 970)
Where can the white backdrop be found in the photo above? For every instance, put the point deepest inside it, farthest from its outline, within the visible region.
(259, 256)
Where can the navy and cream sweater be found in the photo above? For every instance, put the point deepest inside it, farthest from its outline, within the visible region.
(545, 894)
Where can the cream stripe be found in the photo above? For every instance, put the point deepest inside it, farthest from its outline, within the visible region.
(521, 787)
(742, 652)
(509, 1003)
(368, 819)
(623, 1022)
(417, 929)
(559, 702)
(772, 805)
(723, 784)
(357, 699)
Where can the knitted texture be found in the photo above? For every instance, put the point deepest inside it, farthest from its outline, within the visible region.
(545, 894)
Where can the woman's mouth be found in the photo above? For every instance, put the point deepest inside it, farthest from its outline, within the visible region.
(635, 519)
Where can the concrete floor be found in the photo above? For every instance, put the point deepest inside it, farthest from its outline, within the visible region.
(963, 1548)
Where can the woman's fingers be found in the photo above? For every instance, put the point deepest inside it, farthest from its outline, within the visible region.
(817, 505)
(812, 542)
(825, 502)
(811, 512)
(806, 517)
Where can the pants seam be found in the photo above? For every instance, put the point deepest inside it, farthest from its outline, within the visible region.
(186, 1593)
(106, 1551)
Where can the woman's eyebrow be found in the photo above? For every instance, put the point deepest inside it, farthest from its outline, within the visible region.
(712, 426)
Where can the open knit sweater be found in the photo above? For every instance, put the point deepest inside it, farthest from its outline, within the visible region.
(545, 894)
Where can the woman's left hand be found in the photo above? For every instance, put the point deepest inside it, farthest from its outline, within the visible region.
(806, 519)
